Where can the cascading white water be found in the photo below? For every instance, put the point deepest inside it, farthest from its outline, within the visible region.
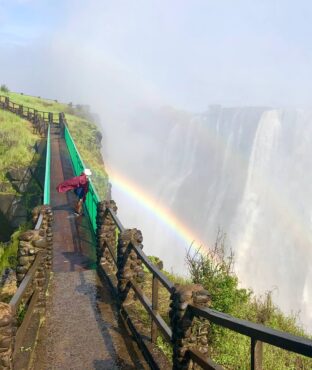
(245, 170)
(257, 191)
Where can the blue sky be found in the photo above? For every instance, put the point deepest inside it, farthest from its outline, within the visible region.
(185, 53)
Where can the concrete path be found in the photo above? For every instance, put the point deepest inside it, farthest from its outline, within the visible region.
(81, 330)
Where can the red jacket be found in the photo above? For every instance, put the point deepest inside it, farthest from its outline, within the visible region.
(73, 183)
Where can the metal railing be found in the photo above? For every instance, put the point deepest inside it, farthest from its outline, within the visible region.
(27, 112)
(47, 177)
(28, 294)
(92, 197)
(258, 333)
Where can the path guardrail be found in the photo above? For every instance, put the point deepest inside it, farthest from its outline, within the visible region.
(47, 176)
(121, 264)
(92, 197)
(28, 112)
(20, 318)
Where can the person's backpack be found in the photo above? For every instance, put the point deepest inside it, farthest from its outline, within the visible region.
(79, 192)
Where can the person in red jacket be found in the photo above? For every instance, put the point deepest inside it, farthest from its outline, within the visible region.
(80, 185)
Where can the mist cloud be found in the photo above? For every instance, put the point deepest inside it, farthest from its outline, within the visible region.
(188, 54)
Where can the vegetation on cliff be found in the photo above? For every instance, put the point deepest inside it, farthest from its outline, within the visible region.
(17, 142)
(84, 131)
(214, 271)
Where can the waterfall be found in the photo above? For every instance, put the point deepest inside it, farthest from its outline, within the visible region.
(246, 170)
(256, 189)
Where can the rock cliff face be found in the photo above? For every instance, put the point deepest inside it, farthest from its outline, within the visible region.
(246, 170)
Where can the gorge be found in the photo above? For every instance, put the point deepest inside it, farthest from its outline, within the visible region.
(244, 170)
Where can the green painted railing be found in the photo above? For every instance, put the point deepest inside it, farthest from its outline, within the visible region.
(46, 194)
(92, 198)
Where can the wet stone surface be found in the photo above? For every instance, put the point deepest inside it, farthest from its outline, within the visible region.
(81, 329)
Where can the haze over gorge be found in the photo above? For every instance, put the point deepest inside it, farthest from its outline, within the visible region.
(245, 170)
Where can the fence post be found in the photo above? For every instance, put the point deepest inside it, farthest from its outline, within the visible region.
(129, 266)
(35, 121)
(154, 330)
(187, 332)
(20, 110)
(106, 233)
(256, 354)
(62, 123)
(7, 336)
(50, 118)
(6, 102)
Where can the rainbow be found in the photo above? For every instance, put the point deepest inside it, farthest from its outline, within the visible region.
(295, 225)
(162, 213)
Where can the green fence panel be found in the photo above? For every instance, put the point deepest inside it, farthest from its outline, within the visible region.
(46, 193)
(92, 198)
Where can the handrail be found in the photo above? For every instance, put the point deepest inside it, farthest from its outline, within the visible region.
(92, 198)
(39, 222)
(118, 223)
(161, 324)
(22, 289)
(255, 331)
(26, 107)
(201, 360)
(152, 268)
(46, 193)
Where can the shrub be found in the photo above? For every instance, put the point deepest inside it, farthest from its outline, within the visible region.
(4, 88)
(214, 270)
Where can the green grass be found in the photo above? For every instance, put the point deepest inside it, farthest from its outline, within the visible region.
(16, 145)
(37, 103)
(8, 252)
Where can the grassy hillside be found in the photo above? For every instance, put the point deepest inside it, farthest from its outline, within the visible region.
(16, 146)
(17, 142)
(85, 133)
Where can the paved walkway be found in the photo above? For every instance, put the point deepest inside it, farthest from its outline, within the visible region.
(81, 330)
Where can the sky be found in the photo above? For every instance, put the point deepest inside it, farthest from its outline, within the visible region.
(188, 54)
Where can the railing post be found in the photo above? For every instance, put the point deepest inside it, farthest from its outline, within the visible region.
(62, 123)
(50, 118)
(256, 354)
(7, 336)
(187, 332)
(106, 233)
(36, 121)
(129, 266)
(20, 110)
(154, 330)
(6, 102)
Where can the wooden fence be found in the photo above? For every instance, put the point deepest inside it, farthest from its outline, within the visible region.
(40, 119)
